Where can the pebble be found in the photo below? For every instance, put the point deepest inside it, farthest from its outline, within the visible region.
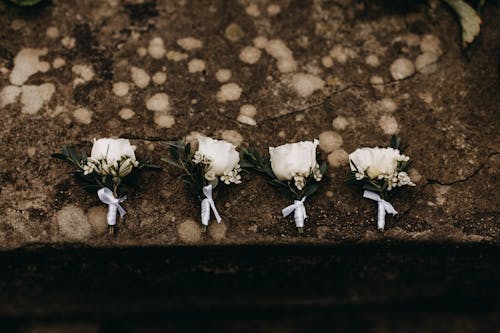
(190, 43)
(85, 74)
(9, 95)
(139, 77)
(372, 60)
(142, 51)
(234, 32)
(260, 42)
(58, 63)
(232, 136)
(73, 223)
(250, 55)
(196, 65)
(329, 141)
(223, 75)
(82, 116)
(126, 113)
(415, 176)
(402, 68)
(327, 61)
(340, 123)
(34, 97)
(176, 56)
(341, 54)
(246, 120)
(217, 231)
(431, 44)
(156, 48)
(387, 105)
(306, 84)
(164, 120)
(277, 49)
(52, 32)
(273, 9)
(68, 42)
(189, 231)
(160, 78)
(338, 157)
(120, 88)
(27, 63)
(229, 92)
(388, 124)
(248, 110)
(253, 10)
(158, 102)
(426, 63)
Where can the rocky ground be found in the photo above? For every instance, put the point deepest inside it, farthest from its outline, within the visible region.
(259, 74)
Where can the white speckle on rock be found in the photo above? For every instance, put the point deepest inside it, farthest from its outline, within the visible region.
(34, 97)
(156, 48)
(278, 50)
(158, 103)
(248, 110)
(142, 51)
(189, 231)
(246, 120)
(388, 124)
(27, 63)
(329, 141)
(120, 88)
(52, 32)
(196, 65)
(68, 42)
(176, 56)
(387, 105)
(126, 113)
(338, 158)
(253, 10)
(372, 60)
(250, 55)
(82, 116)
(306, 84)
(223, 75)
(426, 63)
(260, 42)
(164, 119)
(234, 32)
(431, 44)
(402, 68)
(229, 92)
(190, 43)
(327, 61)
(73, 223)
(139, 77)
(9, 95)
(232, 136)
(58, 63)
(273, 9)
(160, 77)
(341, 54)
(340, 123)
(85, 73)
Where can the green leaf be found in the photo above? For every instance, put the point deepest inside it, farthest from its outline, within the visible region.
(311, 188)
(26, 2)
(469, 20)
(322, 168)
(59, 156)
(172, 162)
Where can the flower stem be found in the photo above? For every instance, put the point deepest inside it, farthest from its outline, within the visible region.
(300, 230)
(203, 228)
(111, 230)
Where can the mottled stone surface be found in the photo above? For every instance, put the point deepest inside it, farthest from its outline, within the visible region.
(309, 67)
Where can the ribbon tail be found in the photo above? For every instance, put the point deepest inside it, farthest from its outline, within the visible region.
(205, 211)
(381, 217)
(216, 213)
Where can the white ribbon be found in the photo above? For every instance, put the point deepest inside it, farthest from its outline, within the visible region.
(206, 204)
(107, 197)
(383, 207)
(299, 210)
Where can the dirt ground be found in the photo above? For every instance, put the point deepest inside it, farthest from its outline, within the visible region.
(447, 113)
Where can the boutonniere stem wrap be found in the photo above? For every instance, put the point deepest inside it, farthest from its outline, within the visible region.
(213, 165)
(110, 169)
(381, 173)
(292, 169)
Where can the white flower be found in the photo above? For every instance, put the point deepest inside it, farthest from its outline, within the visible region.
(317, 174)
(299, 182)
(221, 156)
(375, 162)
(111, 156)
(209, 175)
(197, 158)
(292, 159)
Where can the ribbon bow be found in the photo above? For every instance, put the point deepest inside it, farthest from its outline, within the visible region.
(383, 208)
(107, 197)
(206, 204)
(299, 211)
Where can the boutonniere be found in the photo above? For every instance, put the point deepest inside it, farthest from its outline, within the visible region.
(215, 163)
(291, 168)
(381, 173)
(110, 170)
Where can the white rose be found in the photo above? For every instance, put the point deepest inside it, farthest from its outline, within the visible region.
(375, 161)
(292, 159)
(111, 153)
(222, 155)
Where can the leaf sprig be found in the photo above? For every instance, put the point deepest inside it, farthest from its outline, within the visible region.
(94, 181)
(252, 159)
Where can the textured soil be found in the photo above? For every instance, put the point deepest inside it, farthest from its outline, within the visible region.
(449, 118)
